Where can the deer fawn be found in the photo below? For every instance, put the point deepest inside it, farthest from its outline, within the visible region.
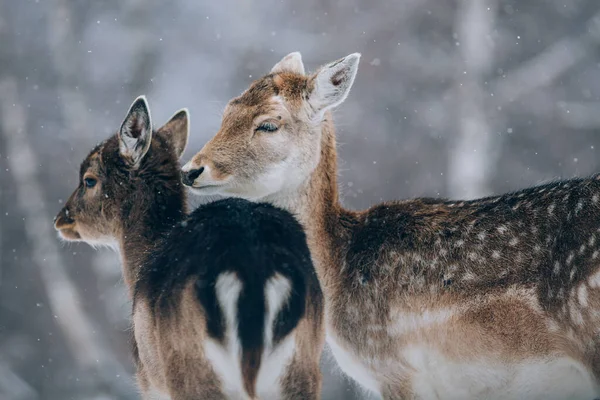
(497, 298)
(226, 303)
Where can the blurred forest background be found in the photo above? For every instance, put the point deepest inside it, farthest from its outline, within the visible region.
(453, 98)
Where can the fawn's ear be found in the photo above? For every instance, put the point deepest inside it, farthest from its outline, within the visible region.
(135, 134)
(177, 131)
(332, 83)
(290, 63)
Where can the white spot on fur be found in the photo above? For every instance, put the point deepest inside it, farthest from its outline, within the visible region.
(578, 207)
(481, 235)
(495, 254)
(575, 314)
(582, 295)
(502, 229)
(468, 276)
(582, 249)
(594, 280)
(459, 243)
(570, 258)
(595, 199)
(595, 254)
(551, 209)
(513, 242)
(556, 268)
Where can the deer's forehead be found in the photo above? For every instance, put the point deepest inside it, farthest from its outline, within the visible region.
(259, 92)
(239, 115)
(287, 85)
(93, 162)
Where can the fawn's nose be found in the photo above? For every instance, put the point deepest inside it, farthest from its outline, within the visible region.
(188, 177)
(63, 219)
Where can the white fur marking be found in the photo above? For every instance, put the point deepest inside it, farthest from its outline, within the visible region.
(277, 292)
(555, 379)
(224, 358)
(406, 322)
(352, 366)
(582, 295)
(594, 280)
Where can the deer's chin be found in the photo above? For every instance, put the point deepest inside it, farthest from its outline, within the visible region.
(208, 190)
(69, 234)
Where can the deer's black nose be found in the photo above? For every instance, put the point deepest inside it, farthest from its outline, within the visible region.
(189, 177)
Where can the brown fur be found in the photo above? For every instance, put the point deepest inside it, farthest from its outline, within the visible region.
(487, 266)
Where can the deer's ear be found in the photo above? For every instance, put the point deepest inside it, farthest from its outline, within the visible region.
(177, 131)
(332, 83)
(135, 134)
(290, 63)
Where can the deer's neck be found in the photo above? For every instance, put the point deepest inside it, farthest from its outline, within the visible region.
(316, 205)
(146, 226)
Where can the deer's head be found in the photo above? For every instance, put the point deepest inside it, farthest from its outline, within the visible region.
(270, 136)
(124, 179)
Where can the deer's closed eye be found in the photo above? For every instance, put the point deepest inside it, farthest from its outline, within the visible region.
(89, 182)
(267, 127)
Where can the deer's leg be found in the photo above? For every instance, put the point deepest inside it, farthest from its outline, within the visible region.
(191, 378)
(301, 382)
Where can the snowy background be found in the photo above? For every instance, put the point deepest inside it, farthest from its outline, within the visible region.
(453, 98)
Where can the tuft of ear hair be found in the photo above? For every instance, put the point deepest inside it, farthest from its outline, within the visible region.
(290, 63)
(177, 131)
(135, 134)
(332, 83)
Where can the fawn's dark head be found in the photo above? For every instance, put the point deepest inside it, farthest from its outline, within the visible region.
(130, 179)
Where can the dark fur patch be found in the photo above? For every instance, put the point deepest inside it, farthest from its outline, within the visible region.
(544, 236)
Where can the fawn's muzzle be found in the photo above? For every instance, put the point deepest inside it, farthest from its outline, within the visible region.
(63, 220)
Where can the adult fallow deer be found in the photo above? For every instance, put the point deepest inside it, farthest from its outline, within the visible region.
(496, 298)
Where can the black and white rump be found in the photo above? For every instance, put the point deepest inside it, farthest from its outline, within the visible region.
(252, 274)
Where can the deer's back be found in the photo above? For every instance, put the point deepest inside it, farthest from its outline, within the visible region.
(234, 278)
(510, 279)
